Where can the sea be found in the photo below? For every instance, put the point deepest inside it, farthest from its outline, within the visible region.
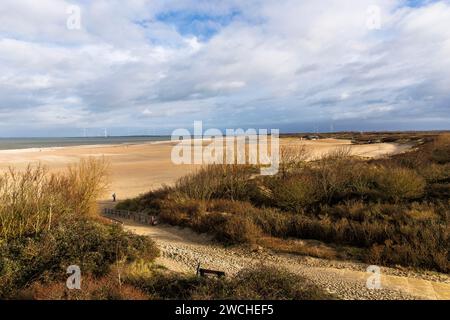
(26, 143)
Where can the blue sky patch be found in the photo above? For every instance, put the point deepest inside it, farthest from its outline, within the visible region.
(418, 3)
(201, 25)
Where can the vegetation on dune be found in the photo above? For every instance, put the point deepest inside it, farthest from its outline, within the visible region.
(390, 211)
(93, 288)
(218, 182)
(395, 209)
(33, 200)
(151, 282)
(47, 223)
(254, 283)
(92, 246)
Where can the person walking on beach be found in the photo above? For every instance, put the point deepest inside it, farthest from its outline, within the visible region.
(114, 197)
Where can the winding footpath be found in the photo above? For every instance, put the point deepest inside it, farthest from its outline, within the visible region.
(182, 250)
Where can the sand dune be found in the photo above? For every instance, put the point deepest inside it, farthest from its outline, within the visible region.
(137, 168)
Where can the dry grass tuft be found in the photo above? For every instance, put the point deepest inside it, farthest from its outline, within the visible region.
(31, 201)
(217, 181)
(104, 288)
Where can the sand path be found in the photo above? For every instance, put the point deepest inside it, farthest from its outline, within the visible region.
(182, 250)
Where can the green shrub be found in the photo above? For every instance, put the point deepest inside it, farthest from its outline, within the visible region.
(275, 283)
(238, 229)
(150, 202)
(129, 204)
(329, 180)
(399, 184)
(221, 218)
(424, 246)
(441, 149)
(293, 193)
(332, 174)
(434, 173)
(180, 211)
(438, 191)
(257, 283)
(180, 287)
(92, 246)
(274, 223)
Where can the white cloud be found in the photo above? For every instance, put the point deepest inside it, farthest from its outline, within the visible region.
(291, 61)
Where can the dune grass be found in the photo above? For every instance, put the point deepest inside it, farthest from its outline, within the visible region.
(395, 209)
(33, 200)
(49, 221)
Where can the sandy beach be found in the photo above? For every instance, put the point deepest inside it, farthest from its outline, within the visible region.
(138, 168)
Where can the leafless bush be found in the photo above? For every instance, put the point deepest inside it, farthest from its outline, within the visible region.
(339, 153)
(82, 184)
(32, 200)
(25, 205)
(292, 157)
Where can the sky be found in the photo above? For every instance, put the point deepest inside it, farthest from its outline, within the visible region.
(152, 66)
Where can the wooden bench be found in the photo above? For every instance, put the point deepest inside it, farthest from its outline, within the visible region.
(205, 272)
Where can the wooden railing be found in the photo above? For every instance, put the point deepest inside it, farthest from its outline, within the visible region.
(131, 215)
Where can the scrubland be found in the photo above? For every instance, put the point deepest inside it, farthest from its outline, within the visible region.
(393, 210)
(49, 222)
